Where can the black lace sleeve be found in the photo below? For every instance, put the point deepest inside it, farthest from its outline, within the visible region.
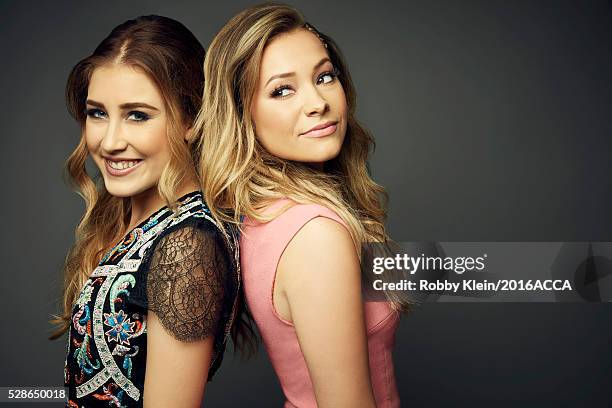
(186, 282)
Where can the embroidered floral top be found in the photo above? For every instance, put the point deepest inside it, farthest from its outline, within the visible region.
(176, 265)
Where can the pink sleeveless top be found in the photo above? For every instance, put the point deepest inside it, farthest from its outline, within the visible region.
(261, 246)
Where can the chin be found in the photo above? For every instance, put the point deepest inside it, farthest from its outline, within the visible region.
(119, 192)
(326, 153)
(312, 152)
(123, 190)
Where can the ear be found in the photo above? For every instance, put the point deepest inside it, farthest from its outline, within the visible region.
(189, 135)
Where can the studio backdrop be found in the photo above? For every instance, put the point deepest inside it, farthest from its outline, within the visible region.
(491, 122)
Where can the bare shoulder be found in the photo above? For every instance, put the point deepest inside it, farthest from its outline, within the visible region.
(322, 234)
(321, 251)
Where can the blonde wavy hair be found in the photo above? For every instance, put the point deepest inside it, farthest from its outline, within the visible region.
(239, 176)
(172, 57)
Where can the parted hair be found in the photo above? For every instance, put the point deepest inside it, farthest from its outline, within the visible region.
(172, 57)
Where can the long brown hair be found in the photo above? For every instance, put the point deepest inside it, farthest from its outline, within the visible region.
(173, 58)
(241, 177)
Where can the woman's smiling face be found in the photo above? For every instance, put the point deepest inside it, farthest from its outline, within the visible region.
(299, 108)
(126, 129)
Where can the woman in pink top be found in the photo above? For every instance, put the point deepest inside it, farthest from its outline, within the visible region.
(281, 149)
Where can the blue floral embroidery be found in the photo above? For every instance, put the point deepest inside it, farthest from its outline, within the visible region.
(121, 327)
(106, 348)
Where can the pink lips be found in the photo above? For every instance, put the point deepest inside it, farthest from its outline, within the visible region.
(324, 129)
(120, 172)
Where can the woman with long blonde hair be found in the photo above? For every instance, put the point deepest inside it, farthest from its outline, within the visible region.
(152, 281)
(283, 156)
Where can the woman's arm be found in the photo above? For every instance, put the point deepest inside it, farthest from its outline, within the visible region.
(185, 298)
(320, 278)
(176, 371)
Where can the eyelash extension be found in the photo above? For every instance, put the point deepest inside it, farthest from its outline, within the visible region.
(335, 73)
(92, 113)
(144, 116)
(276, 92)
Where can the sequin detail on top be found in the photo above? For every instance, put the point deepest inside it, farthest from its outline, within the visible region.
(105, 364)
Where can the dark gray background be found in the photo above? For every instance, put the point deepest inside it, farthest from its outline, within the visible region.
(492, 125)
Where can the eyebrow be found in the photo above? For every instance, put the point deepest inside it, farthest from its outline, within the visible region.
(290, 74)
(124, 106)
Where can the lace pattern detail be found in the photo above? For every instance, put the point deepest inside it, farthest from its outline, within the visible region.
(194, 286)
(185, 283)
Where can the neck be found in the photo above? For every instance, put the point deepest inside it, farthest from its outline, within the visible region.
(149, 201)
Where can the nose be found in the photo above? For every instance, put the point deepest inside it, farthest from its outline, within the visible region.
(113, 140)
(315, 104)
